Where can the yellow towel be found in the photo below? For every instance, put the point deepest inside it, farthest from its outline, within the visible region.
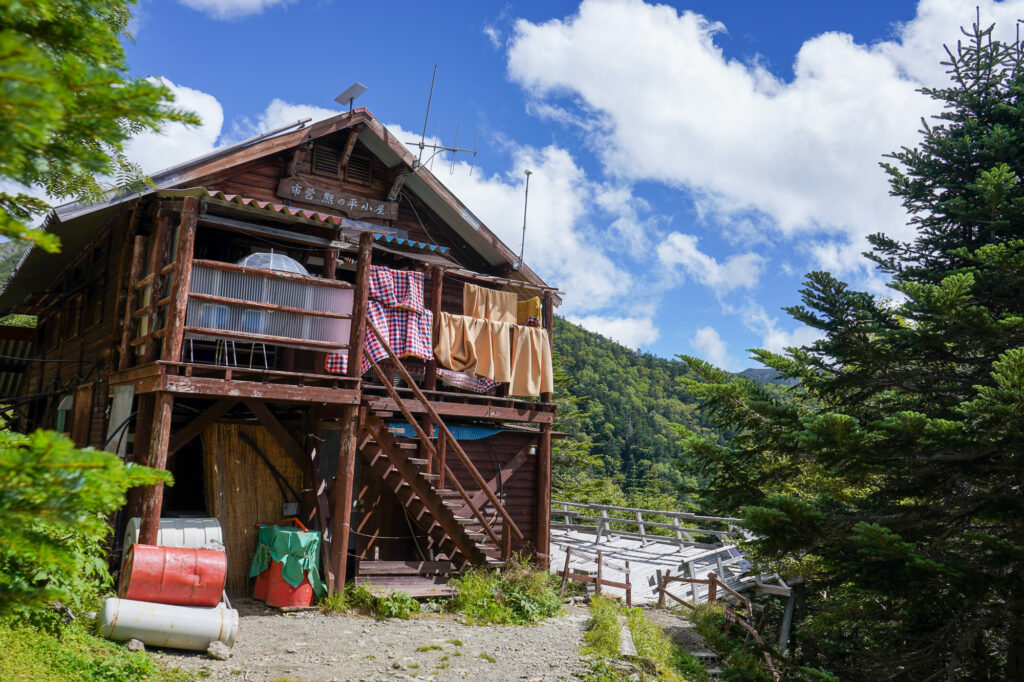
(531, 362)
(527, 309)
(453, 347)
(476, 347)
(489, 304)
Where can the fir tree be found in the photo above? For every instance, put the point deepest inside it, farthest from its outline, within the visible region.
(892, 476)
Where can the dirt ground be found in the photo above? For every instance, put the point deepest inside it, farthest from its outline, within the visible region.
(312, 646)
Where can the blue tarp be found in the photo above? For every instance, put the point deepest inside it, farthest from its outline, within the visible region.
(460, 432)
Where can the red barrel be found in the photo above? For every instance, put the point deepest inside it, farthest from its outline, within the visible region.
(259, 587)
(173, 575)
(280, 593)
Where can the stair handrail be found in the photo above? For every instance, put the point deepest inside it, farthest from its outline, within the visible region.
(408, 415)
(442, 428)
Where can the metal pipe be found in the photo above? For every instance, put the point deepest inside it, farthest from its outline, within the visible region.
(526, 202)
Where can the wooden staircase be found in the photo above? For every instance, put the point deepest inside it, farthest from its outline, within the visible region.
(426, 485)
(432, 508)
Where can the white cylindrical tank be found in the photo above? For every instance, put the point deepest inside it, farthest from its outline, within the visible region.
(176, 627)
(187, 533)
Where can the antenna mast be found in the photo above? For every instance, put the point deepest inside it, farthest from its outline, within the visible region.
(526, 202)
(438, 148)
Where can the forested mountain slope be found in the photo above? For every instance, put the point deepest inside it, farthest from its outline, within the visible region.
(628, 403)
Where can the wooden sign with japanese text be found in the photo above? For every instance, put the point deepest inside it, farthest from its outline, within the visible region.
(352, 205)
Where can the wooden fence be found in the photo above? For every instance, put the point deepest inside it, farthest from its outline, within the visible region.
(598, 580)
(631, 522)
(714, 584)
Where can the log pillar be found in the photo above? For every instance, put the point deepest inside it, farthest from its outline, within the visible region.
(430, 376)
(153, 496)
(341, 505)
(140, 450)
(175, 321)
(543, 512)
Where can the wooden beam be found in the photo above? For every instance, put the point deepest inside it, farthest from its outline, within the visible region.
(542, 517)
(150, 280)
(506, 472)
(508, 414)
(279, 432)
(283, 393)
(140, 450)
(138, 258)
(196, 426)
(153, 498)
(350, 145)
(175, 321)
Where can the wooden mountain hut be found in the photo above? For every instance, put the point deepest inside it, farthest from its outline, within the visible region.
(307, 324)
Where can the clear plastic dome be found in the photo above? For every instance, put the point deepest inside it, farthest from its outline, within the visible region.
(273, 261)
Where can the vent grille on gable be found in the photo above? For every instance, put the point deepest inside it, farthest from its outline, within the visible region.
(325, 161)
(359, 170)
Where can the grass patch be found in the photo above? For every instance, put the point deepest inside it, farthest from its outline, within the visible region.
(455, 642)
(333, 603)
(520, 595)
(74, 655)
(672, 663)
(390, 605)
(429, 647)
(488, 658)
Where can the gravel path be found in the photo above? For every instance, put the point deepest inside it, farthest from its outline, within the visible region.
(312, 646)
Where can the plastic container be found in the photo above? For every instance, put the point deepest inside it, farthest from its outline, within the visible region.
(193, 533)
(177, 627)
(173, 575)
(280, 593)
(259, 586)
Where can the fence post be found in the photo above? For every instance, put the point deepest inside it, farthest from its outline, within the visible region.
(565, 571)
(663, 581)
(597, 585)
(601, 526)
(629, 588)
(643, 529)
(712, 588)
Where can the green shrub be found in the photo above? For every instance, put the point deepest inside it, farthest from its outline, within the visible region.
(390, 605)
(333, 603)
(54, 503)
(520, 595)
(741, 657)
(602, 635)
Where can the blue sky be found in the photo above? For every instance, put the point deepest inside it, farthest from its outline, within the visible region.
(691, 161)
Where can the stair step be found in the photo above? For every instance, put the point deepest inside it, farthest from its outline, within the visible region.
(383, 414)
(431, 477)
(418, 461)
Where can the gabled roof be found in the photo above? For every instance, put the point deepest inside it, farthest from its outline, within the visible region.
(76, 224)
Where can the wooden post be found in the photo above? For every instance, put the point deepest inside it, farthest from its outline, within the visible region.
(712, 588)
(629, 588)
(153, 498)
(597, 584)
(662, 586)
(138, 258)
(565, 571)
(153, 265)
(430, 377)
(351, 418)
(506, 542)
(182, 277)
(542, 516)
(442, 449)
(643, 535)
(140, 450)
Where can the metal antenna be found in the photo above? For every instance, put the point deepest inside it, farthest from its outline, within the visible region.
(350, 95)
(526, 202)
(451, 168)
(426, 118)
(437, 148)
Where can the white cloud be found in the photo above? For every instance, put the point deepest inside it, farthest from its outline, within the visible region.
(231, 9)
(176, 142)
(633, 332)
(712, 348)
(738, 271)
(666, 105)
(278, 113)
(773, 337)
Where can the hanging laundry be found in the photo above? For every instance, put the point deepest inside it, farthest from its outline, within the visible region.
(474, 346)
(396, 288)
(531, 362)
(529, 312)
(489, 304)
(464, 381)
(395, 306)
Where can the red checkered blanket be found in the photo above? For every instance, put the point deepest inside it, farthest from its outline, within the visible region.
(464, 381)
(396, 288)
(407, 333)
